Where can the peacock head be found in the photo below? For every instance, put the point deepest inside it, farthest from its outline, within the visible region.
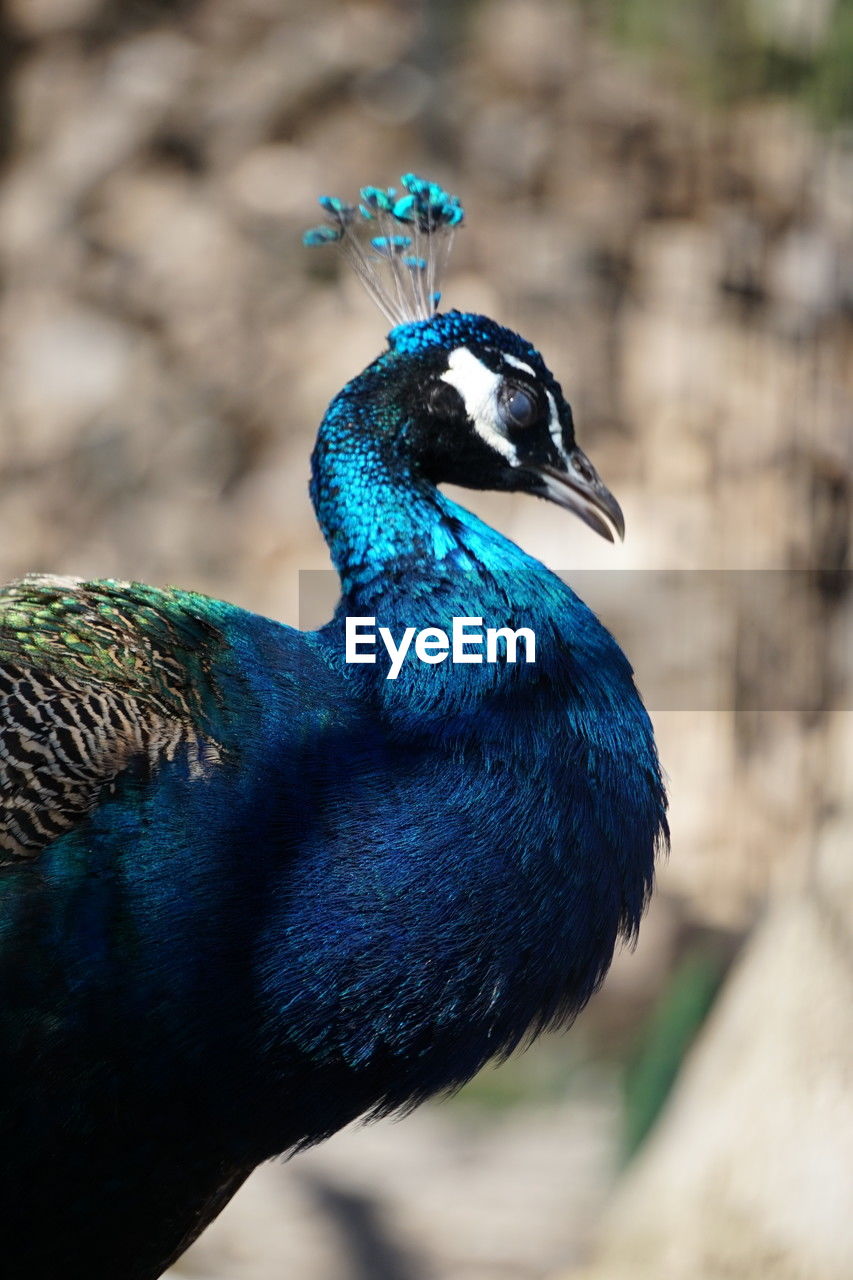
(483, 409)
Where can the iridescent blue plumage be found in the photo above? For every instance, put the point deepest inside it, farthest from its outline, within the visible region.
(285, 891)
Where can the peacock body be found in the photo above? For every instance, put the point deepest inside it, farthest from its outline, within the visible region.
(251, 890)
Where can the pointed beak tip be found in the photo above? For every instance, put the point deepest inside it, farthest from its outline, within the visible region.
(579, 489)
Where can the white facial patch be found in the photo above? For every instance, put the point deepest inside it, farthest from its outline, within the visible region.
(478, 386)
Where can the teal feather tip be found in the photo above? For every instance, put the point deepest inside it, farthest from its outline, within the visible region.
(401, 266)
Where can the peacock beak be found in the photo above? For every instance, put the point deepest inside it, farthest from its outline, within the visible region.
(578, 487)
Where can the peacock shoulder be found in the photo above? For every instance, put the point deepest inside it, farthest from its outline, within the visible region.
(94, 675)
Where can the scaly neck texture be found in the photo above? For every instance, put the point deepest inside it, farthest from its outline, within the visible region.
(375, 512)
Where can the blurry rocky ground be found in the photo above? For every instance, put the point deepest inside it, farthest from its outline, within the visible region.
(661, 197)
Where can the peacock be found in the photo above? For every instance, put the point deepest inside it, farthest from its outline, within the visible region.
(257, 882)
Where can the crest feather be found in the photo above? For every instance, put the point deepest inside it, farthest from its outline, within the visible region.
(401, 266)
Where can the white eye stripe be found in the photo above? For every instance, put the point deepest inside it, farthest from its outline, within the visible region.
(516, 363)
(555, 427)
(478, 387)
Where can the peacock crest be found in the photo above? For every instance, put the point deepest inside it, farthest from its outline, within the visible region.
(401, 264)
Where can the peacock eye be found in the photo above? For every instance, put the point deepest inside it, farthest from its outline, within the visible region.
(518, 408)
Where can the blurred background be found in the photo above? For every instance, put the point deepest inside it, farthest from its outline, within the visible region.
(660, 196)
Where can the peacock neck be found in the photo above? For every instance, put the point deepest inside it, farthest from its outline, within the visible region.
(372, 516)
(384, 522)
(410, 557)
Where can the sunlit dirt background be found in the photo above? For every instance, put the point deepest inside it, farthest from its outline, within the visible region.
(660, 196)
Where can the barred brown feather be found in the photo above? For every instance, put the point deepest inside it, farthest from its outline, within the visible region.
(85, 688)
